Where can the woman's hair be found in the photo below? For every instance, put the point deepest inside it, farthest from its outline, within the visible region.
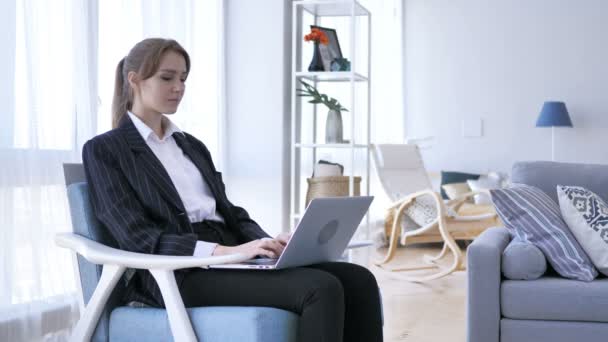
(144, 59)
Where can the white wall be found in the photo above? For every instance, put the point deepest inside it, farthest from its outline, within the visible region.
(499, 60)
(257, 70)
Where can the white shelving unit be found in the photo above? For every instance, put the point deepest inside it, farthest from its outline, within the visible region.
(305, 146)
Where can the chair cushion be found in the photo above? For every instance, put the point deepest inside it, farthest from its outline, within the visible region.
(521, 260)
(244, 324)
(530, 214)
(554, 298)
(587, 217)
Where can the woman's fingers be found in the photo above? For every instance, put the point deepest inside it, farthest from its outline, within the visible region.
(273, 246)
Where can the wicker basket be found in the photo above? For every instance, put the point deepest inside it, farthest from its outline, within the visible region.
(333, 186)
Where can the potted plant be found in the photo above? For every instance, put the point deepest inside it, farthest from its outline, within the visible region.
(333, 125)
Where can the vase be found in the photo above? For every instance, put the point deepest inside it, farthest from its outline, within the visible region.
(333, 127)
(316, 64)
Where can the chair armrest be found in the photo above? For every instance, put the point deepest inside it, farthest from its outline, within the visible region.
(98, 253)
(483, 287)
(411, 197)
(115, 262)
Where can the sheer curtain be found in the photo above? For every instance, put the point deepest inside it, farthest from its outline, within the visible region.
(52, 113)
(64, 54)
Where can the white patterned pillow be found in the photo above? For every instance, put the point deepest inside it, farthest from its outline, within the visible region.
(422, 210)
(586, 214)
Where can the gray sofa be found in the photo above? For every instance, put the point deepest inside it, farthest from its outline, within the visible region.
(549, 308)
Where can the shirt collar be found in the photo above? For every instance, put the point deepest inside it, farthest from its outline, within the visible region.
(146, 131)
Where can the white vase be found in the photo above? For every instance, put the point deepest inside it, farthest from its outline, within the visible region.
(333, 127)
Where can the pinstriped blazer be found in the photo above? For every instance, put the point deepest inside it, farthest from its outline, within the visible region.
(133, 197)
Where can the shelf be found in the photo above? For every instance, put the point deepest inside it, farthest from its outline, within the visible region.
(347, 145)
(331, 76)
(306, 142)
(324, 8)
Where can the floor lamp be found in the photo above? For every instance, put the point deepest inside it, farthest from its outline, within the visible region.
(553, 114)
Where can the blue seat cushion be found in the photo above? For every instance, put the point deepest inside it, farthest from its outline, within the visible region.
(220, 323)
(555, 299)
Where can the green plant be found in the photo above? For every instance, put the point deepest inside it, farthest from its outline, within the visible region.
(317, 97)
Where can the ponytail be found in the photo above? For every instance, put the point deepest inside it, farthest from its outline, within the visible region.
(120, 102)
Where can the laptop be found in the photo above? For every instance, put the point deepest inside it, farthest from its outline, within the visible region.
(322, 234)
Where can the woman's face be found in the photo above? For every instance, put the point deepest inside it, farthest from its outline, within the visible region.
(163, 92)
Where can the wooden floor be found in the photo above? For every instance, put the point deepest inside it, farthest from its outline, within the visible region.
(433, 312)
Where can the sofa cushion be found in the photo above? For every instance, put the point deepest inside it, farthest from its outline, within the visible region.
(530, 214)
(455, 190)
(554, 298)
(521, 260)
(210, 324)
(547, 175)
(449, 177)
(516, 330)
(484, 183)
(587, 217)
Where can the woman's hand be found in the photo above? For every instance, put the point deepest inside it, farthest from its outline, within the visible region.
(266, 247)
(283, 238)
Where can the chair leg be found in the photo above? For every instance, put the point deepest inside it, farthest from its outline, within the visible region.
(181, 327)
(449, 244)
(88, 322)
(392, 246)
(433, 259)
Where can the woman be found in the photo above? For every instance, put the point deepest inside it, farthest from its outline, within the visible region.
(157, 191)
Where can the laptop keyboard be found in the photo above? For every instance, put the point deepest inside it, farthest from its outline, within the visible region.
(262, 261)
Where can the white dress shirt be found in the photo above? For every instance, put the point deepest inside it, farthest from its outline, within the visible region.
(194, 192)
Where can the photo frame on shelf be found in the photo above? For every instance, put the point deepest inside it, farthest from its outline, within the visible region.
(330, 51)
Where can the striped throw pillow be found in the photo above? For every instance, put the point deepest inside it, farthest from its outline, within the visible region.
(533, 216)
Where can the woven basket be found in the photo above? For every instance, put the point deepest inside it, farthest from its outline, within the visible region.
(333, 186)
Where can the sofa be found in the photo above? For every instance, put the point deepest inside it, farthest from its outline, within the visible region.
(549, 308)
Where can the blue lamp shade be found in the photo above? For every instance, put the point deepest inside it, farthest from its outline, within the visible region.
(554, 114)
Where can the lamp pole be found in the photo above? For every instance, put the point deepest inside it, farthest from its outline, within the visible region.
(552, 143)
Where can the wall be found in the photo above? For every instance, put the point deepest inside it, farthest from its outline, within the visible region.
(498, 61)
(257, 109)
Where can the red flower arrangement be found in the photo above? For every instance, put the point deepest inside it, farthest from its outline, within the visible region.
(317, 36)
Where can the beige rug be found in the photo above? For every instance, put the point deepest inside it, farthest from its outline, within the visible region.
(429, 312)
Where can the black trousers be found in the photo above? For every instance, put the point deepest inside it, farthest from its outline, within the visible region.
(336, 301)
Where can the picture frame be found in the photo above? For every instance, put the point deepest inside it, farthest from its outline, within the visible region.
(330, 51)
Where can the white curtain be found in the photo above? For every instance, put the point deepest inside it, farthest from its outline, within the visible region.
(60, 67)
(52, 114)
